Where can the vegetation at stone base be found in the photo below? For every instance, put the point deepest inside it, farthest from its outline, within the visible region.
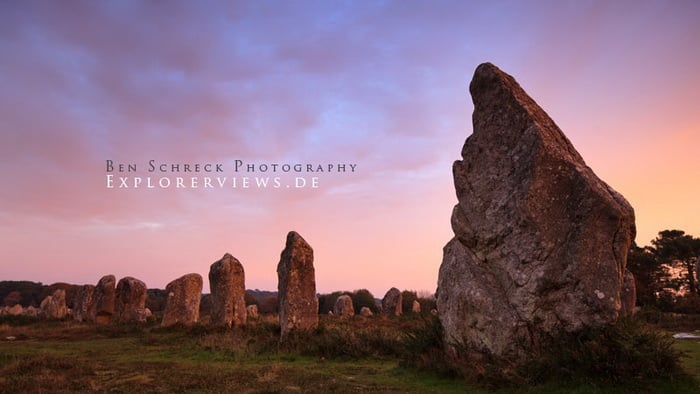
(629, 355)
(373, 354)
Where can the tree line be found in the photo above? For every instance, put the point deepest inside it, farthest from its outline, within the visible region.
(666, 272)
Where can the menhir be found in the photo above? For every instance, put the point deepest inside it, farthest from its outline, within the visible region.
(540, 241)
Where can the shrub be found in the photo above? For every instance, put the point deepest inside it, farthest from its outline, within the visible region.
(625, 352)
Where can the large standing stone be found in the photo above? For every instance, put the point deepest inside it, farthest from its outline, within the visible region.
(182, 305)
(130, 303)
(83, 307)
(297, 286)
(540, 242)
(104, 297)
(343, 306)
(628, 295)
(392, 302)
(227, 283)
(54, 306)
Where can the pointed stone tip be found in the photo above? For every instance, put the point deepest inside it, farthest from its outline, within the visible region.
(487, 75)
(227, 256)
(294, 236)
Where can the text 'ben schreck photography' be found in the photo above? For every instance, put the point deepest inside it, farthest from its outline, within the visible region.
(236, 174)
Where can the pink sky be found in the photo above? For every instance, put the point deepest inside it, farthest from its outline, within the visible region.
(379, 85)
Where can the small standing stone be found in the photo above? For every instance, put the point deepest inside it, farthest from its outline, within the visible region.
(297, 286)
(84, 305)
(104, 297)
(54, 306)
(343, 306)
(252, 311)
(415, 308)
(130, 303)
(227, 282)
(366, 312)
(391, 303)
(182, 305)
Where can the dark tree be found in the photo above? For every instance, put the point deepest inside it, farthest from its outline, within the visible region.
(649, 274)
(676, 245)
(363, 297)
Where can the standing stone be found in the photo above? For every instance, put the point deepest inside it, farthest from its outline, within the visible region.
(31, 311)
(182, 305)
(130, 302)
(628, 295)
(392, 302)
(343, 306)
(366, 312)
(54, 306)
(415, 308)
(15, 310)
(83, 307)
(103, 298)
(540, 241)
(297, 286)
(252, 311)
(227, 283)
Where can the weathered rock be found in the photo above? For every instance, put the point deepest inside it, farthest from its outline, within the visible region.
(182, 305)
(227, 283)
(628, 295)
(54, 306)
(366, 312)
(31, 311)
(103, 299)
(298, 309)
(343, 306)
(252, 311)
(415, 308)
(540, 242)
(15, 310)
(83, 307)
(392, 302)
(130, 302)
(434, 312)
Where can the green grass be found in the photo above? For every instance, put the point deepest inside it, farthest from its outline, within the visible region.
(357, 355)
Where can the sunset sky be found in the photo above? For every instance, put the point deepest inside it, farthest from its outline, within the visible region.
(379, 84)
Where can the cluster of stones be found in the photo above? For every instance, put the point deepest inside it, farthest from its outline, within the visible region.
(125, 301)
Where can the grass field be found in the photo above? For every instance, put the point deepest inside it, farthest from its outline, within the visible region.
(359, 355)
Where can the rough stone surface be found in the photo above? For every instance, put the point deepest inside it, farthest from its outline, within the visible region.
(252, 311)
(227, 283)
(366, 312)
(297, 286)
(343, 306)
(83, 307)
(182, 305)
(392, 302)
(415, 308)
(540, 241)
(628, 295)
(103, 298)
(54, 306)
(130, 302)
